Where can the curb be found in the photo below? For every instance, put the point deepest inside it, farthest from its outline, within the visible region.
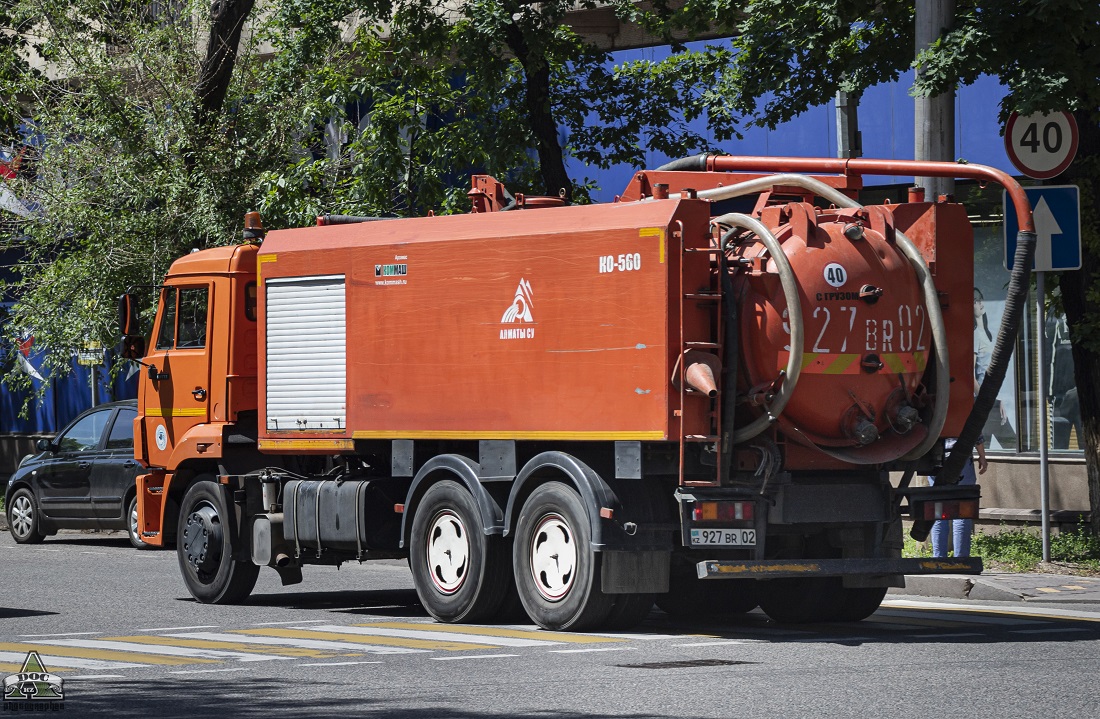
(958, 586)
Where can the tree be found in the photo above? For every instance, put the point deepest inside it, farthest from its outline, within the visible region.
(793, 55)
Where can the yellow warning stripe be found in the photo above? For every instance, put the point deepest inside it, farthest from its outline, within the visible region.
(112, 655)
(175, 411)
(260, 259)
(366, 639)
(659, 233)
(307, 444)
(459, 434)
(849, 363)
(496, 632)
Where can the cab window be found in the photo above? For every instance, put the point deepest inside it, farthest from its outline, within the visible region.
(183, 322)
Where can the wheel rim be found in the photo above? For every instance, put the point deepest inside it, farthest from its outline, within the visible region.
(448, 551)
(134, 533)
(202, 539)
(22, 515)
(553, 557)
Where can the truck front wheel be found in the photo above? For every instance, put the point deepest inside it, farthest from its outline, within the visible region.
(461, 574)
(557, 573)
(204, 546)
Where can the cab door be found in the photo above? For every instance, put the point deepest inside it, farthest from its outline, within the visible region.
(177, 395)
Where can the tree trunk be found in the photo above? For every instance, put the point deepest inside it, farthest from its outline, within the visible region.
(539, 115)
(227, 18)
(1083, 311)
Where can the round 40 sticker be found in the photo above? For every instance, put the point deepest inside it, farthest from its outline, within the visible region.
(162, 437)
(835, 274)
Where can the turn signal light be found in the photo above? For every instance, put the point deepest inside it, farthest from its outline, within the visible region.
(955, 509)
(721, 511)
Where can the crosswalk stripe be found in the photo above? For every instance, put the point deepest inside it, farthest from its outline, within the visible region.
(374, 639)
(418, 632)
(539, 635)
(300, 642)
(61, 663)
(105, 654)
(175, 640)
(123, 646)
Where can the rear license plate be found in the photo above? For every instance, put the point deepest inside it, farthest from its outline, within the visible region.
(723, 537)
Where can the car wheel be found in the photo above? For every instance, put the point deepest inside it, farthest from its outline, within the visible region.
(461, 574)
(22, 511)
(204, 546)
(132, 525)
(557, 573)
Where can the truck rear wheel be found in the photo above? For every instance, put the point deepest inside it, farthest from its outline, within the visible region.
(557, 573)
(204, 546)
(461, 574)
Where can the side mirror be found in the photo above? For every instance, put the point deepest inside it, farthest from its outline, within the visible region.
(133, 347)
(44, 445)
(128, 323)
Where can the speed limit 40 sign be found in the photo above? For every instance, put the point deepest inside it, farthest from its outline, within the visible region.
(1041, 146)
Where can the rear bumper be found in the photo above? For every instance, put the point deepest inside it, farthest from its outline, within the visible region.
(767, 569)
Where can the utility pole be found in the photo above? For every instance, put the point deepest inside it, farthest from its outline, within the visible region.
(849, 142)
(934, 117)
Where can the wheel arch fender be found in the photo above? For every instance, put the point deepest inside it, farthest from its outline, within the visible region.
(459, 468)
(596, 494)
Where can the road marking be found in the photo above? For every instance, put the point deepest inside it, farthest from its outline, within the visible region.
(593, 649)
(228, 644)
(68, 634)
(385, 630)
(178, 629)
(1049, 590)
(1052, 630)
(123, 644)
(107, 657)
(1072, 586)
(472, 656)
(953, 617)
(337, 664)
(374, 639)
(60, 662)
(540, 635)
(718, 644)
(275, 624)
(648, 637)
(211, 671)
(293, 638)
(85, 677)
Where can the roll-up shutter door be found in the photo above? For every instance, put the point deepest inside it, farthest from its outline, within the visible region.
(306, 353)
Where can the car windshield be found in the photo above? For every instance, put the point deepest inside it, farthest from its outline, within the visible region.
(85, 434)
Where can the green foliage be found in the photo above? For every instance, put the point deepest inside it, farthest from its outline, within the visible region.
(1022, 549)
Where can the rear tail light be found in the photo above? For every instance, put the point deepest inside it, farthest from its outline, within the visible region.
(722, 511)
(952, 509)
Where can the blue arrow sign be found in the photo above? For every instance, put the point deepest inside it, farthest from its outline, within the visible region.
(1057, 213)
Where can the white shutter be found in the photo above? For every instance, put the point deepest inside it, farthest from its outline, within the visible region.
(306, 353)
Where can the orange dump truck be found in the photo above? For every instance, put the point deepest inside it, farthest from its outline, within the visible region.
(693, 396)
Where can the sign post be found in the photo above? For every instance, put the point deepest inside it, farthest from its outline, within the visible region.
(1057, 216)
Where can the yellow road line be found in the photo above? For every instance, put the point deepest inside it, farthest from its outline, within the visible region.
(1049, 590)
(111, 655)
(495, 632)
(234, 646)
(366, 639)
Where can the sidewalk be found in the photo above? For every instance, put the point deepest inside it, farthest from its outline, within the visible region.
(1004, 587)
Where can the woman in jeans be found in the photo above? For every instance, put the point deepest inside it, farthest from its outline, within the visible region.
(959, 530)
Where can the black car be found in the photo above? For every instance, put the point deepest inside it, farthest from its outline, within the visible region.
(82, 479)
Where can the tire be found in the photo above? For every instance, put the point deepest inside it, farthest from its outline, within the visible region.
(802, 600)
(461, 574)
(557, 573)
(23, 519)
(692, 597)
(629, 611)
(132, 525)
(204, 547)
(860, 603)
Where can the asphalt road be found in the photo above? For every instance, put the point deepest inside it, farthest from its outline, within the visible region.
(119, 628)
